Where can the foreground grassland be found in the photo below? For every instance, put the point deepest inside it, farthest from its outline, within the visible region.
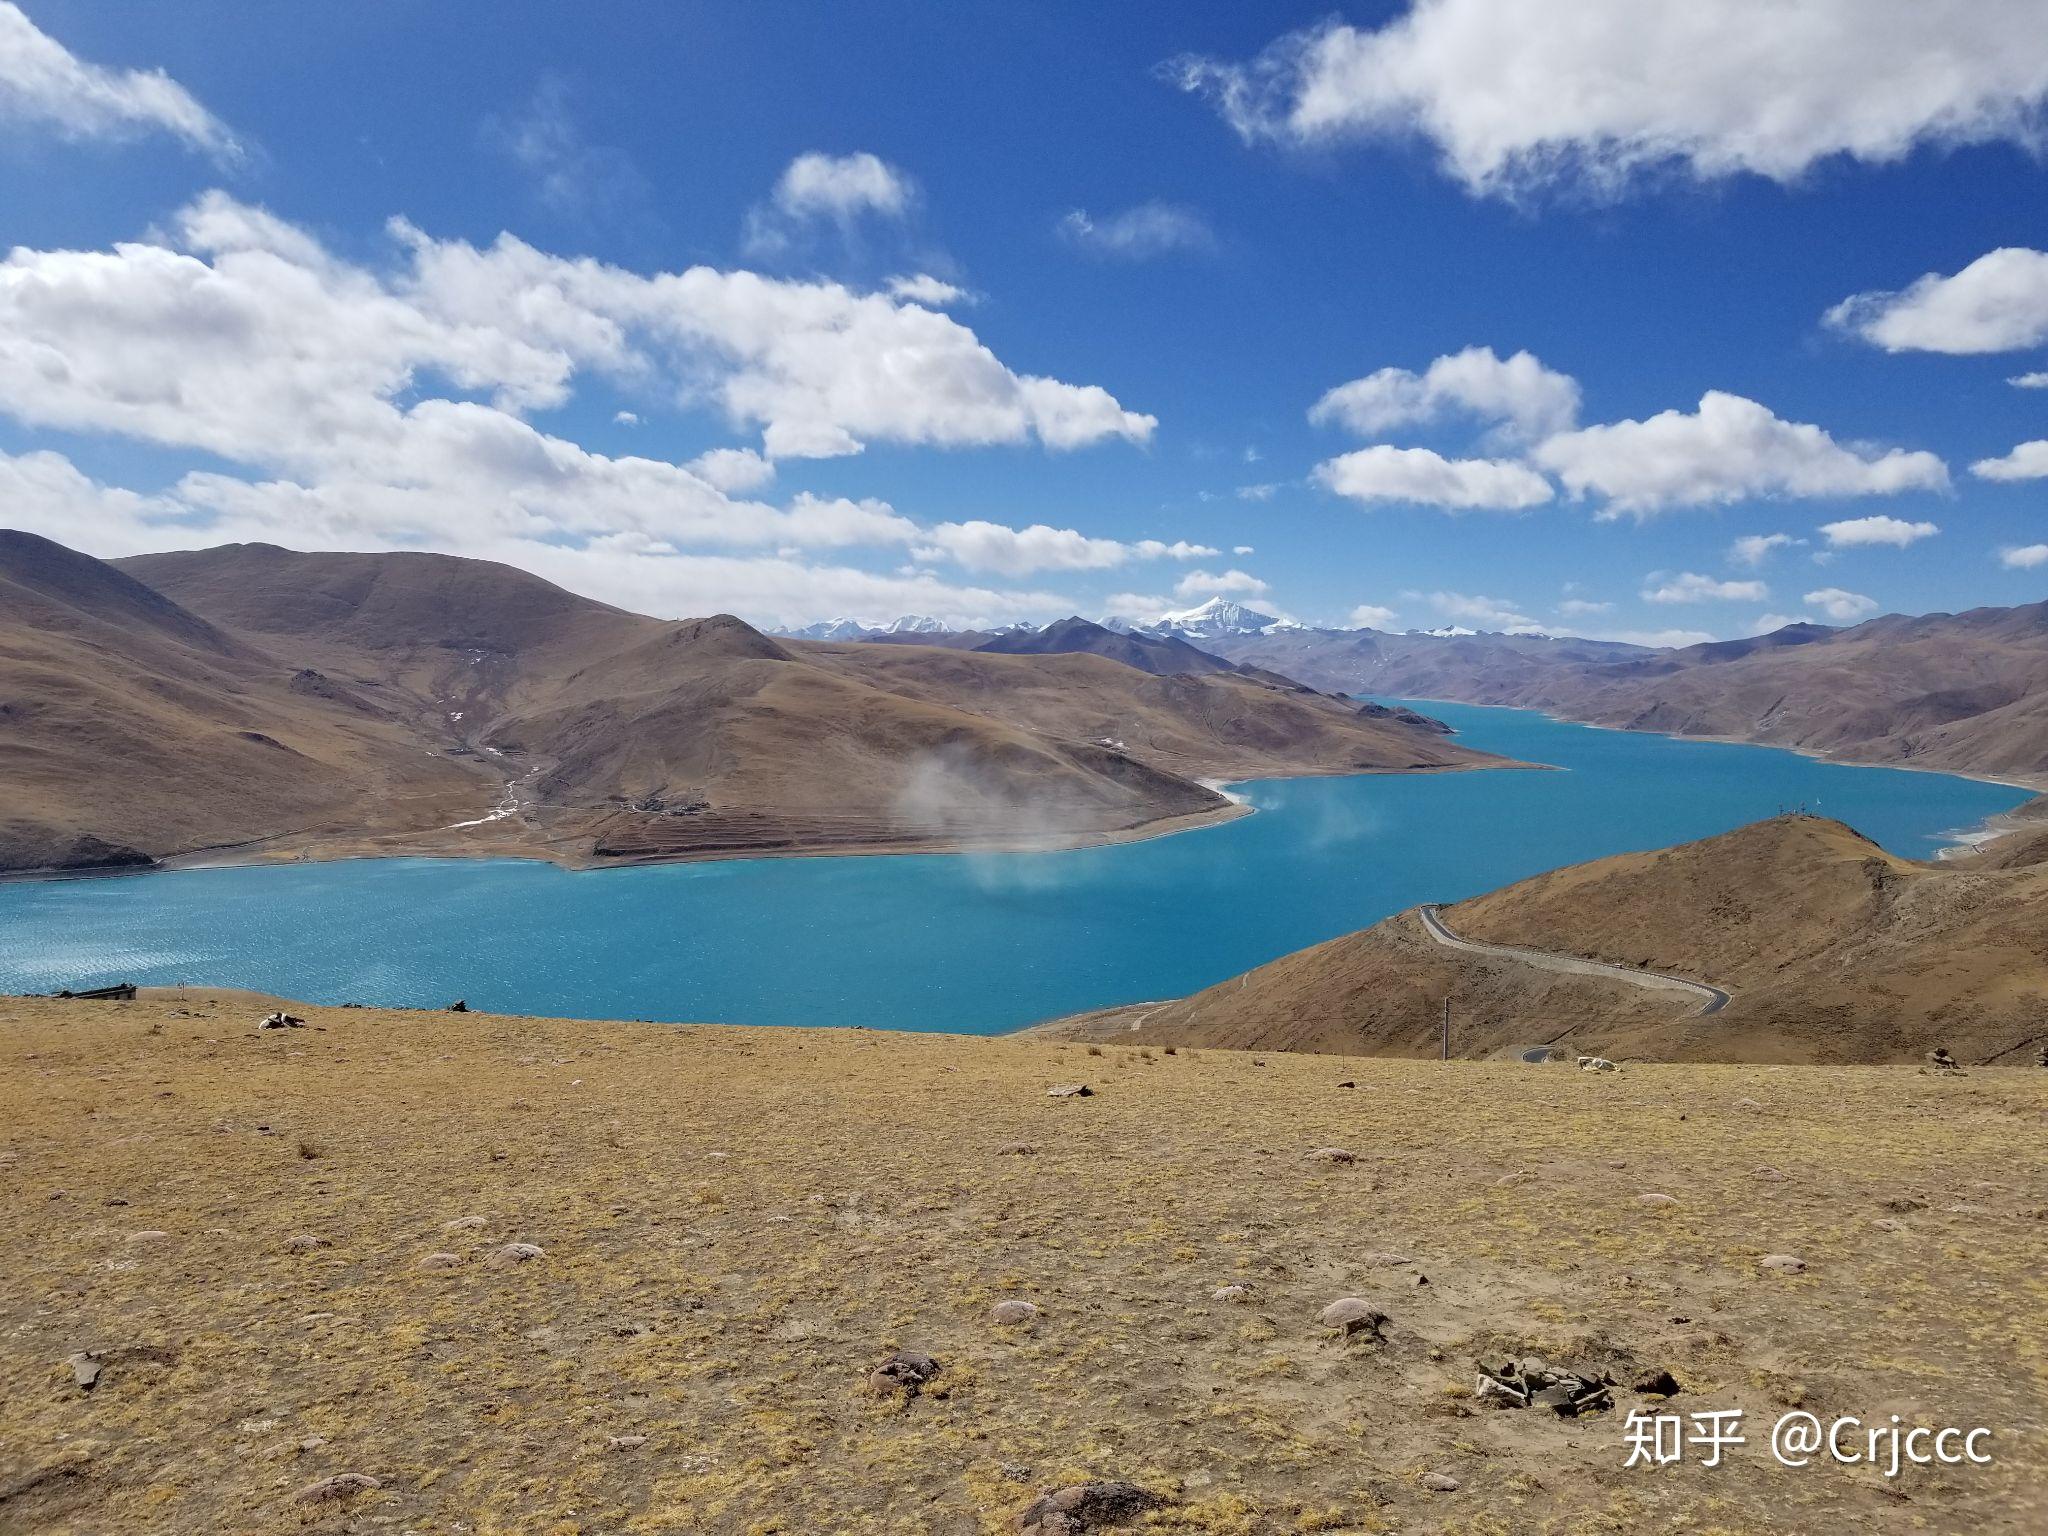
(737, 1226)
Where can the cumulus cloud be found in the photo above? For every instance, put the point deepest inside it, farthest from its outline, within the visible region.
(2024, 557)
(1372, 616)
(1730, 449)
(984, 546)
(923, 288)
(1862, 532)
(375, 408)
(1479, 612)
(1691, 587)
(843, 187)
(44, 85)
(1150, 229)
(2037, 380)
(1382, 474)
(1200, 583)
(2029, 461)
(1518, 395)
(1842, 607)
(1515, 96)
(1753, 549)
(1998, 303)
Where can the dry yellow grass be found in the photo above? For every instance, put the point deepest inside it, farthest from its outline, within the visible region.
(737, 1225)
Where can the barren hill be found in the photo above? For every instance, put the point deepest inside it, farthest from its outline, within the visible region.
(1163, 655)
(1833, 951)
(1963, 692)
(424, 703)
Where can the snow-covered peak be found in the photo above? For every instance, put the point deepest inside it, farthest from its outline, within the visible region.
(828, 629)
(915, 624)
(1205, 621)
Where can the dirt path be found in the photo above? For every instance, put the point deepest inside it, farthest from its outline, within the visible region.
(1714, 999)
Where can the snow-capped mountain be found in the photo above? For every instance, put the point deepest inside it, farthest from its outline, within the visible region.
(915, 624)
(828, 629)
(1207, 621)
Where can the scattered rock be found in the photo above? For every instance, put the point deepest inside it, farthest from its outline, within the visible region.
(1016, 1149)
(1388, 1260)
(306, 1242)
(458, 1006)
(345, 1485)
(1439, 1482)
(1902, 1204)
(441, 1261)
(1353, 1314)
(150, 1236)
(85, 1369)
(1533, 1384)
(906, 1371)
(1348, 1083)
(282, 1021)
(1231, 1293)
(464, 1224)
(1016, 1472)
(1070, 1091)
(1658, 1384)
(1747, 1104)
(1764, 1173)
(1510, 1180)
(1784, 1263)
(1597, 1064)
(515, 1253)
(1655, 1200)
(311, 1444)
(1940, 1060)
(1342, 1156)
(1084, 1507)
(625, 1442)
(1011, 1314)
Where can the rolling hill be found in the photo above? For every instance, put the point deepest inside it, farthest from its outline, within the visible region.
(1832, 950)
(295, 704)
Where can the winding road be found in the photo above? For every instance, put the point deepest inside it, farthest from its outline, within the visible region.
(1432, 921)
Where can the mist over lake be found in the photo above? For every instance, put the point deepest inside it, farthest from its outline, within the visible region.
(976, 943)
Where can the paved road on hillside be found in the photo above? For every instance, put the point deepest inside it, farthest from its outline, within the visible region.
(1714, 999)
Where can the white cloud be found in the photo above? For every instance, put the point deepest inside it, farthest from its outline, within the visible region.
(1257, 492)
(1196, 583)
(1243, 549)
(1149, 229)
(626, 418)
(2029, 461)
(1998, 303)
(1382, 473)
(923, 288)
(1691, 587)
(1842, 607)
(1372, 616)
(1730, 449)
(1581, 607)
(984, 546)
(1753, 549)
(1518, 394)
(732, 469)
(1656, 639)
(1483, 612)
(1770, 623)
(42, 84)
(2024, 557)
(2037, 380)
(1862, 532)
(843, 187)
(1516, 96)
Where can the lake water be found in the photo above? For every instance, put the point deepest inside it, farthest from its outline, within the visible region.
(978, 943)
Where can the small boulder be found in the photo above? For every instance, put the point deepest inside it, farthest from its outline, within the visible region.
(306, 1242)
(1439, 1482)
(1070, 1091)
(625, 1442)
(515, 1253)
(1783, 1263)
(1656, 1201)
(1388, 1260)
(1352, 1315)
(1764, 1173)
(1940, 1060)
(1012, 1314)
(906, 1372)
(1231, 1293)
(329, 1490)
(1658, 1384)
(86, 1366)
(464, 1224)
(1016, 1149)
(1343, 1157)
(441, 1261)
(1596, 1064)
(1082, 1507)
(281, 1021)
(458, 1006)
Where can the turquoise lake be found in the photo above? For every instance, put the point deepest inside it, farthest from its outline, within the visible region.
(975, 944)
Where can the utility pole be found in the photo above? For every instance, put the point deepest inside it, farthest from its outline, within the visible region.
(1447, 1030)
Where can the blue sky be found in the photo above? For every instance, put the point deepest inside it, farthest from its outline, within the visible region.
(1197, 219)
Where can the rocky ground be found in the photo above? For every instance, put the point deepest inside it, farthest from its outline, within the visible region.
(446, 1272)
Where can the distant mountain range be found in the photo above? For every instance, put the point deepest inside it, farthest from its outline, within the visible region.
(250, 701)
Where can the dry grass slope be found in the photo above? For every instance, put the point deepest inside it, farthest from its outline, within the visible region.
(737, 1225)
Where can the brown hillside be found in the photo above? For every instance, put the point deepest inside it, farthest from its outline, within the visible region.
(1832, 951)
(530, 720)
